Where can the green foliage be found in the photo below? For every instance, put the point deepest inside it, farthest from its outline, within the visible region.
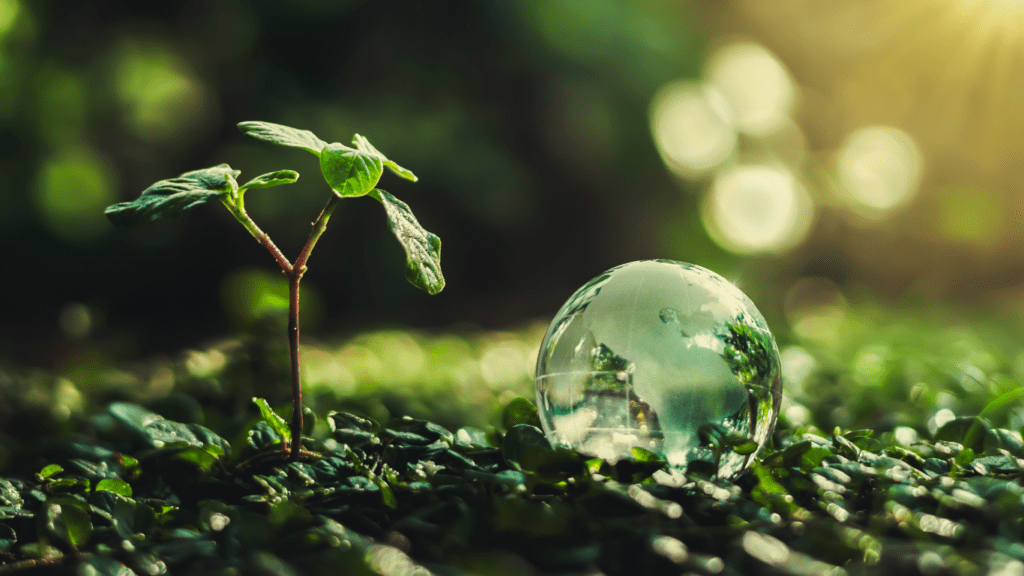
(350, 172)
(364, 146)
(67, 520)
(283, 135)
(275, 422)
(422, 249)
(168, 199)
(114, 485)
(411, 493)
(519, 411)
(271, 179)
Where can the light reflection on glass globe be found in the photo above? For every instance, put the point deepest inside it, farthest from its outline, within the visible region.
(664, 356)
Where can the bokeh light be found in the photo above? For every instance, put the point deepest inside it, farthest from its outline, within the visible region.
(756, 85)
(252, 294)
(75, 320)
(9, 10)
(758, 209)
(880, 168)
(163, 99)
(72, 189)
(692, 127)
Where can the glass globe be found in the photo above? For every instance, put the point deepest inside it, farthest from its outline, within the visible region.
(664, 356)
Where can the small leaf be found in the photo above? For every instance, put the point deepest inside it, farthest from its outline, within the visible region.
(964, 457)
(748, 447)
(8, 538)
(350, 172)
(198, 457)
(644, 455)
(271, 179)
(969, 431)
(524, 447)
(276, 423)
(9, 495)
(114, 485)
(308, 421)
(344, 420)
(168, 199)
(386, 493)
(422, 249)
(123, 517)
(68, 523)
(263, 436)
(519, 411)
(167, 433)
(363, 145)
(283, 135)
(49, 470)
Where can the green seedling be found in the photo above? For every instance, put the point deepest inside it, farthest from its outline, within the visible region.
(350, 172)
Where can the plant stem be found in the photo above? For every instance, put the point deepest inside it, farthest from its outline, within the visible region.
(293, 272)
(318, 229)
(293, 347)
(238, 211)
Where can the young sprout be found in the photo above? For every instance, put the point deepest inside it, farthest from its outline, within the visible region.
(350, 172)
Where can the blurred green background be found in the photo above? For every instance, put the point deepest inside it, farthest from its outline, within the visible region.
(852, 165)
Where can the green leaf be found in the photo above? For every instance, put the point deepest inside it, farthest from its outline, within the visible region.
(104, 566)
(748, 447)
(114, 485)
(422, 249)
(276, 423)
(168, 199)
(350, 172)
(271, 179)
(68, 523)
(525, 447)
(48, 471)
(968, 430)
(363, 145)
(200, 458)
(123, 517)
(308, 421)
(645, 455)
(9, 495)
(519, 411)
(283, 135)
(344, 420)
(8, 538)
(387, 495)
(167, 433)
(964, 457)
(813, 458)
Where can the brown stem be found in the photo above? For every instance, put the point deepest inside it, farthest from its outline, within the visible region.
(293, 346)
(294, 274)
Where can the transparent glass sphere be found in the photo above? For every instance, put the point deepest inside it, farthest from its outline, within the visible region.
(665, 356)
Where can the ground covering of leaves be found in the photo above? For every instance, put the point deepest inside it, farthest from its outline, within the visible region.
(147, 495)
(168, 467)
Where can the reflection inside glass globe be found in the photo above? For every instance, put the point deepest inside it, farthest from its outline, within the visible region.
(661, 356)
